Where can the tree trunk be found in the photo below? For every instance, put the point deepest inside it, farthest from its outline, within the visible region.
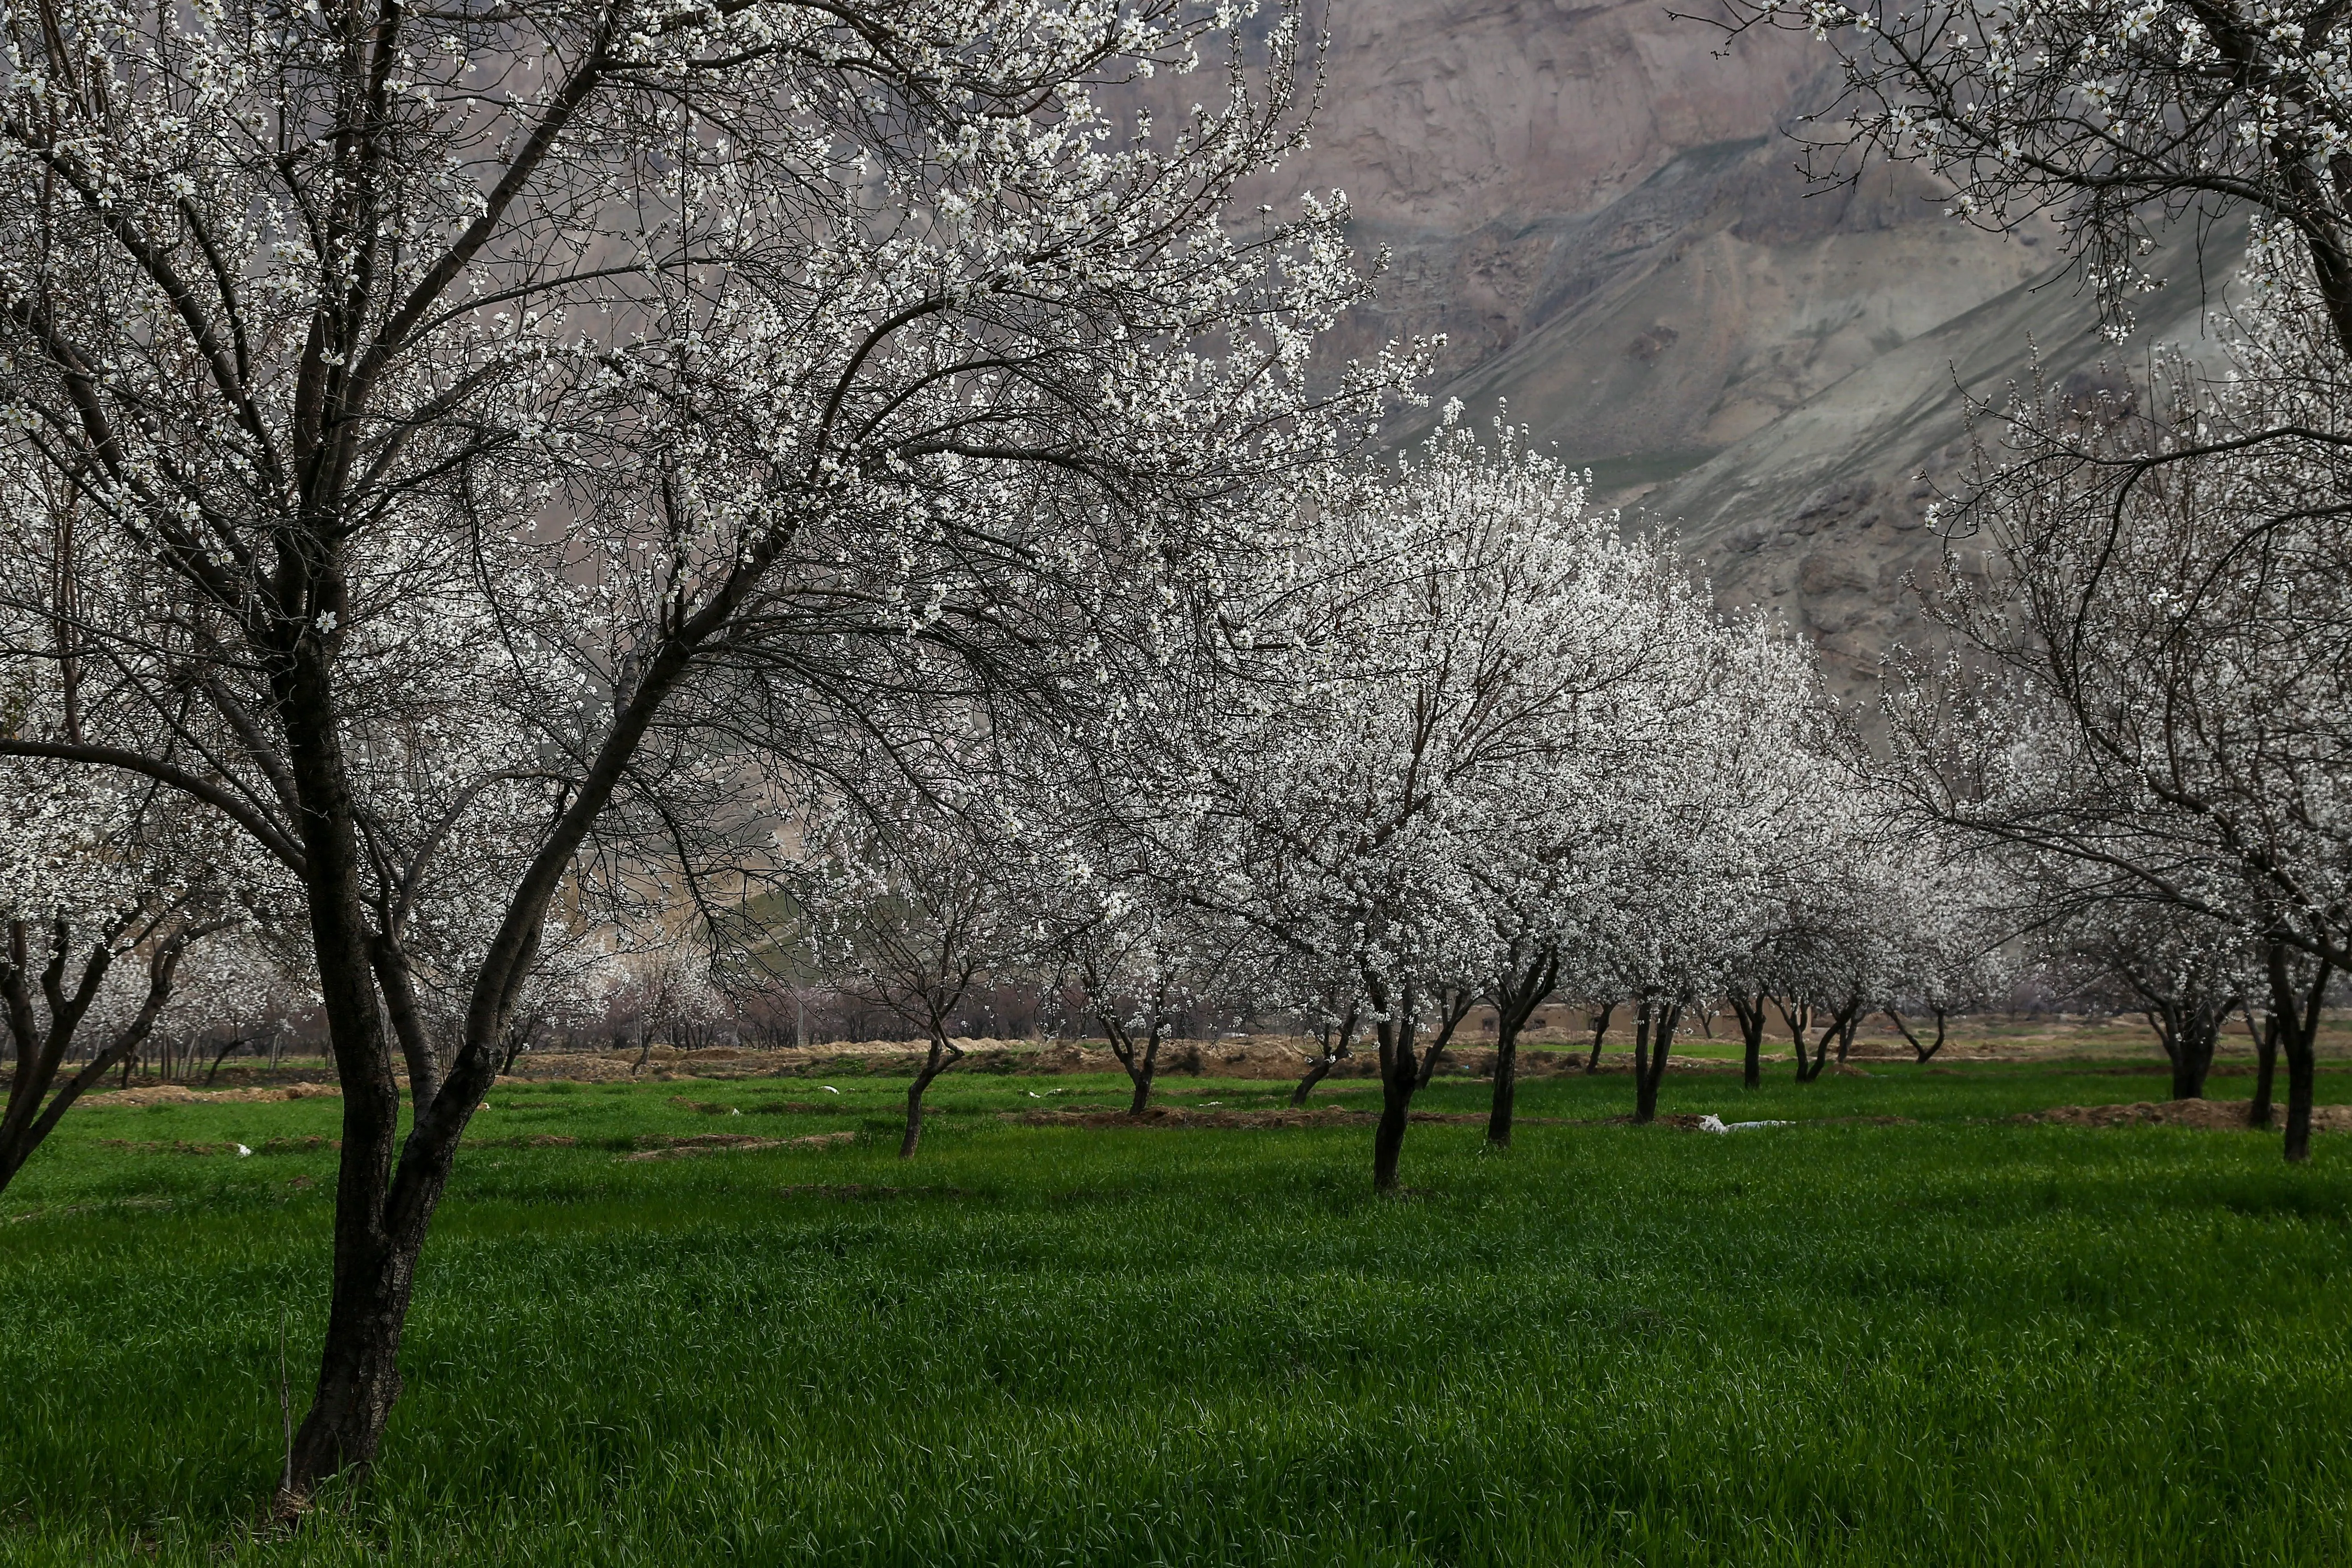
(1645, 1106)
(1142, 1073)
(1457, 1006)
(1400, 1076)
(1517, 996)
(1799, 1016)
(359, 1370)
(2258, 1114)
(2298, 1013)
(1506, 1086)
(936, 1062)
(374, 1262)
(1396, 1113)
(1335, 1050)
(1317, 1070)
(37, 1102)
(1600, 1033)
(1654, 1037)
(220, 1056)
(1839, 1029)
(2301, 1072)
(1751, 1040)
(2192, 1057)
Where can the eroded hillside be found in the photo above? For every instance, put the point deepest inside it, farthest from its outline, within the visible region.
(1600, 210)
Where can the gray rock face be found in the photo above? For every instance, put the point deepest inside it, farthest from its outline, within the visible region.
(1601, 211)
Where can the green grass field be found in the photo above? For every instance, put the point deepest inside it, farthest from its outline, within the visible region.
(1958, 1340)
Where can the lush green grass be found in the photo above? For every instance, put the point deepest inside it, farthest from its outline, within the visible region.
(1957, 1339)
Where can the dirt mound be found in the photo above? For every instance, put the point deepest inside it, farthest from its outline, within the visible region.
(180, 1094)
(2212, 1115)
(1677, 1122)
(182, 1146)
(1186, 1116)
(1684, 1122)
(734, 1143)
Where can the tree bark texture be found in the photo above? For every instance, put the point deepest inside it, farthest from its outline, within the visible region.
(1457, 1005)
(2296, 1004)
(938, 1060)
(2187, 1027)
(37, 1100)
(1654, 1037)
(2258, 1113)
(1921, 1054)
(1140, 1075)
(1337, 1044)
(1140, 1062)
(1800, 1014)
(1517, 998)
(2193, 1058)
(1400, 1076)
(1750, 1011)
(383, 1211)
(1600, 1033)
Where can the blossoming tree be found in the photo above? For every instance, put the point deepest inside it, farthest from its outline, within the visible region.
(532, 426)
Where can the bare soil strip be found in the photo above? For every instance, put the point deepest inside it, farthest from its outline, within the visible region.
(2212, 1115)
(730, 1143)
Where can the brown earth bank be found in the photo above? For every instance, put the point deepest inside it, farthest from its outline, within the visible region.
(725, 1143)
(1188, 1117)
(182, 1095)
(2121, 1045)
(2212, 1115)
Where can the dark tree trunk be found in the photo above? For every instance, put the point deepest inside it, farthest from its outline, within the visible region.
(1317, 1070)
(2258, 1114)
(37, 1102)
(1918, 1052)
(1839, 1029)
(1400, 1076)
(1457, 1006)
(2301, 1073)
(1507, 1088)
(1643, 1106)
(374, 1256)
(381, 1214)
(1142, 1065)
(518, 1041)
(213, 1073)
(1396, 1115)
(1600, 1033)
(1654, 1037)
(1751, 1013)
(1141, 1074)
(2297, 1007)
(1799, 1016)
(1336, 1047)
(938, 1060)
(1517, 996)
(2192, 1056)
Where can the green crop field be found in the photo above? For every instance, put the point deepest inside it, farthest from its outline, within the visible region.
(1955, 1338)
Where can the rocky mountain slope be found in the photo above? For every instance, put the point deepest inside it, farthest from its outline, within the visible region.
(1599, 207)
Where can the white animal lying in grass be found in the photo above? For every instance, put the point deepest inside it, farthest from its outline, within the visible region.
(1711, 1123)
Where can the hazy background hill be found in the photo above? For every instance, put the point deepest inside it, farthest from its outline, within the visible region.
(1601, 211)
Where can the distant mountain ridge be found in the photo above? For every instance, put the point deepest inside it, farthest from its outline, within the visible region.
(1601, 210)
